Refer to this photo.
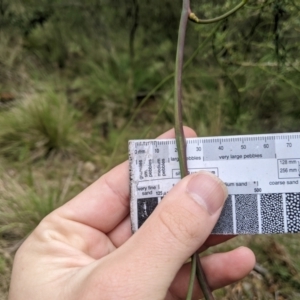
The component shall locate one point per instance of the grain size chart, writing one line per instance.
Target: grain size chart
(261, 172)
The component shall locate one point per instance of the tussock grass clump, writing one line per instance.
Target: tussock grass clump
(23, 206)
(113, 84)
(37, 127)
(106, 88)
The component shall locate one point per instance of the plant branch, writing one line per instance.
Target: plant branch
(192, 280)
(186, 15)
(180, 139)
(202, 278)
(195, 19)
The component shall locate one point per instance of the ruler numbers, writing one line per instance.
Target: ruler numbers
(239, 149)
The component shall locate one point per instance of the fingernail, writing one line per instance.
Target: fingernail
(207, 190)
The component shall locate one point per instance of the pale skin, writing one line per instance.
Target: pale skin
(85, 249)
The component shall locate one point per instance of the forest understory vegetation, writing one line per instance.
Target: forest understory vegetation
(78, 80)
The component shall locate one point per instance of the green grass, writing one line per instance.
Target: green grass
(5, 268)
(38, 126)
(24, 205)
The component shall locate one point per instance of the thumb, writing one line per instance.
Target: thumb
(178, 227)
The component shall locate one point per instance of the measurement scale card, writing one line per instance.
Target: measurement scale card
(261, 172)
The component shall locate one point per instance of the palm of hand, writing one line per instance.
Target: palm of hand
(80, 251)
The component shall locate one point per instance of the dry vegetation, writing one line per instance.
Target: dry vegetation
(75, 80)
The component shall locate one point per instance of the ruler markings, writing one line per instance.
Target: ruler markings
(267, 167)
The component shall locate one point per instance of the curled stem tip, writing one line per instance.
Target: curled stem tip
(195, 19)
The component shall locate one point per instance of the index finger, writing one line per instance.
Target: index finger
(105, 203)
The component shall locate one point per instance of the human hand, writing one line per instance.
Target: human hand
(85, 249)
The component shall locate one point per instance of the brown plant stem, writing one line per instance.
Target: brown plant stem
(186, 14)
(180, 139)
(202, 278)
(192, 279)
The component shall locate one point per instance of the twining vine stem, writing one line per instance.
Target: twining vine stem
(186, 15)
(180, 139)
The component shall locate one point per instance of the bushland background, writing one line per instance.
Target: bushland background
(80, 78)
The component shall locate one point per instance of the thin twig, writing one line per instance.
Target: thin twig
(180, 139)
(192, 280)
(186, 14)
(202, 278)
(195, 19)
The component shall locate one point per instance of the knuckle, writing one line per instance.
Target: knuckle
(180, 224)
